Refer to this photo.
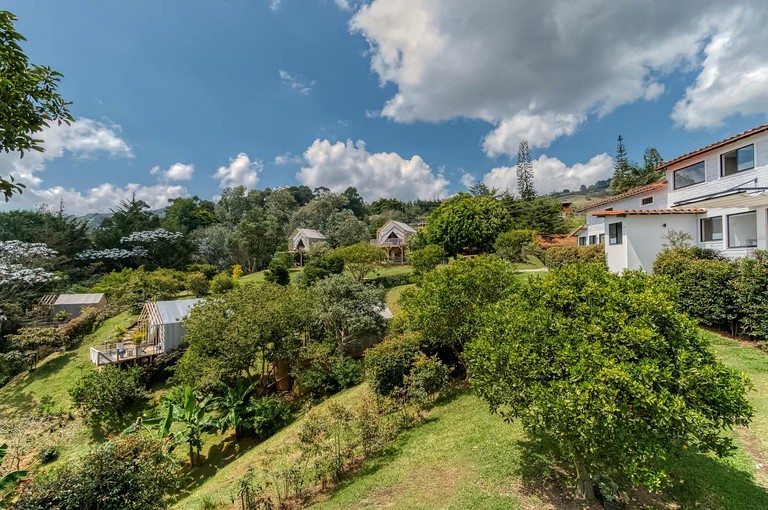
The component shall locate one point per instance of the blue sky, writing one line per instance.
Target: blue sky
(439, 92)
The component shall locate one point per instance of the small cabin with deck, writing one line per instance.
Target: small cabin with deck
(301, 240)
(393, 238)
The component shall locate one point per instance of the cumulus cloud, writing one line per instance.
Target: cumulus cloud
(176, 172)
(551, 174)
(288, 159)
(538, 70)
(384, 174)
(241, 171)
(296, 83)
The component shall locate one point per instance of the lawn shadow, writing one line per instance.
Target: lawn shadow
(217, 457)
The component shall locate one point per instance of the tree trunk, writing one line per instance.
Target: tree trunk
(584, 487)
(191, 456)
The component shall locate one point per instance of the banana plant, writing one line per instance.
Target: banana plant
(8, 481)
(234, 408)
(194, 417)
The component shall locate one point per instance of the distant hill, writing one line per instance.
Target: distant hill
(94, 219)
(585, 194)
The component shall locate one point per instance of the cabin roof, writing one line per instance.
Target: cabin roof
(79, 299)
(171, 312)
(308, 233)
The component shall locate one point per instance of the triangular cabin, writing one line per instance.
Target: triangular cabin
(302, 240)
(393, 238)
(158, 330)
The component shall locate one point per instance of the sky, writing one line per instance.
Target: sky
(399, 98)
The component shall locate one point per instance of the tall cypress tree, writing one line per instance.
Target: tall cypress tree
(622, 170)
(525, 172)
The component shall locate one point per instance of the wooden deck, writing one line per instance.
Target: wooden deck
(128, 354)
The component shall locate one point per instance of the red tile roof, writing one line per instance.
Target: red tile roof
(646, 212)
(721, 143)
(631, 193)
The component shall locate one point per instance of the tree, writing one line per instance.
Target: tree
(605, 372)
(212, 244)
(627, 176)
(344, 229)
(355, 202)
(129, 217)
(525, 172)
(104, 396)
(387, 204)
(29, 100)
(278, 272)
(319, 267)
(426, 259)
(360, 259)
(445, 307)
(187, 214)
(466, 223)
(514, 245)
(542, 214)
(621, 169)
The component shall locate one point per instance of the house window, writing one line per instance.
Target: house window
(712, 229)
(609, 208)
(646, 201)
(689, 175)
(737, 161)
(582, 241)
(742, 230)
(592, 239)
(614, 233)
(602, 238)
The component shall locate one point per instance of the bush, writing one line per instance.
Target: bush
(278, 272)
(269, 416)
(197, 283)
(325, 372)
(751, 286)
(387, 364)
(320, 267)
(392, 280)
(82, 325)
(130, 288)
(209, 270)
(707, 293)
(104, 396)
(426, 380)
(221, 283)
(514, 244)
(426, 259)
(48, 454)
(560, 256)
(132, 472)
(163, 367)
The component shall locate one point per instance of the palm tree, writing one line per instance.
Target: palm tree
(234, 408)
(8, 481)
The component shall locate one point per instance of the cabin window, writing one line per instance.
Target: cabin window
(615, 235)
(712, 229)
(742, 230)
(737, 161)
(689, 175)
(646, 201)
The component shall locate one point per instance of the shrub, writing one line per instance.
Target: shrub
(132, 472)
(82, 325)
(426, 259)
(278, 272)
(48, 454)
(324, 372)
(560, 256)
(42, 340)
(269, 415)
(514, 244)
(387, 364)
(320, 267)
(197, 283)
(162, 368)
(392, 280)
(706, 291)
(751, 286)
(426, 380)
(221, 283)
(130, 288)
(209, 270)
(104, 396)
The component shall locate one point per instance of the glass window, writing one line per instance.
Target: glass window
(646, 201)
(689, 175)
(742, 230)
(614, 233)
(582, 241)
(737, 161)
(602, 238)
(712, 229)
(592, 239)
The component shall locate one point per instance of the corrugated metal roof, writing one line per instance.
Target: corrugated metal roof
(310, 233)
(403, 226)
(172, 312)
(79, 299)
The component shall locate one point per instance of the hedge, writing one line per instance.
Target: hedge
(559, 256)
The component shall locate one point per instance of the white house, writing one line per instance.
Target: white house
(718, 194)
(393, 237)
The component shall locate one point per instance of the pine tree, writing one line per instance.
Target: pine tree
(525, 172)
(622, 170)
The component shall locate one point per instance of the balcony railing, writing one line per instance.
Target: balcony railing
(387, 242)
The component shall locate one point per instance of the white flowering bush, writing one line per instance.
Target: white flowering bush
(114, 254)
(19, 252)
(151, 236)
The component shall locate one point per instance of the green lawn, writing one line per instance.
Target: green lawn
(393, 295)
(532, 263)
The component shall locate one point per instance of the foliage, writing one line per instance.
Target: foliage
(542, 214)
(234, 408)
(82, 325)
(343, 228)
(557, 257)
(426, 380)
(347, 310)
(29, 100)
(278, 272)
(426, 259)
(8, 481)
(322, 371)
(388, 364)
(445, 308)
(525, 172)
(751, 286)
(104, 396)
(41, 340)
(187, 214)
(221, 283)
(197, 283)
(254, 326)
(131, 288)
(132, 472)
(269, 415)
(604, 371)
(208, 270)
(193, 414)
(360, 259)
(627, 176)
(514, 245)
(466, 223)
(321, 266)
(60, 232)
(677, 239)
(130, 216)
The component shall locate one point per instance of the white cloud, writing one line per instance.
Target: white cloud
(296, 83)
(274, 5)
(384, 174)
(241, 171)
(468, 180)
(288, 159)
(539, 69)
(343, 5)
(551, 174)
(176, 172)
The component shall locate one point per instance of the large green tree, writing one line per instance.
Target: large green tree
(604, 371)
(627, 175)
(360, 259)
(29, 100)
(130, 216)
(467, 223)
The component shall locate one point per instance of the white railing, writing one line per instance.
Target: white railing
(109, 356)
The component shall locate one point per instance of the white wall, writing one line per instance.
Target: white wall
(596, 225)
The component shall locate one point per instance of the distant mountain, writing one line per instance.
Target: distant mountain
(94, 219)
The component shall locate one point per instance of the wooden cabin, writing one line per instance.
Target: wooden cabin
(392, 237)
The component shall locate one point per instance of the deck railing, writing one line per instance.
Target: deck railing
(109, 356)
